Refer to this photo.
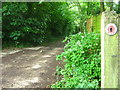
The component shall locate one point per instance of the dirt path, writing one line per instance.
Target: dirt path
(31, 67)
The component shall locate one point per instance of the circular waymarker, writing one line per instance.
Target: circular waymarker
(111, 29)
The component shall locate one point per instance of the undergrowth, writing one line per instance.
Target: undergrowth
(82, 62)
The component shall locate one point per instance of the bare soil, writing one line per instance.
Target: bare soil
(31, 68)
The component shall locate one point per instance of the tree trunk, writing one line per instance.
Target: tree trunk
(88, 4)
(102, 6)
(79, 10)
(119, 7)
(110, 4)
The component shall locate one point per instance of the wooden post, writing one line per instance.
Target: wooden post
(119, 52)
(110, 52)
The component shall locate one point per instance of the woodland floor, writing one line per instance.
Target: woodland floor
(31, 67)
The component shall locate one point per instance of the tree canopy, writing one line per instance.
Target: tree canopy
(36, 22)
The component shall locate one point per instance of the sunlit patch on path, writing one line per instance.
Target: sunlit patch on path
(30, 67)
(36, 66)
(46, 56)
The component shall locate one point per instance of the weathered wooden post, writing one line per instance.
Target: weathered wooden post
(119, 52)
(110, 50)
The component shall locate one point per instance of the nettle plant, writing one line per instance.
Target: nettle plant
(82, 62)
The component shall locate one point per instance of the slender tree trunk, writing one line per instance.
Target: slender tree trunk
(119, 7)
(79, 10)
(102, 6)
(88, 4)
(110, 4)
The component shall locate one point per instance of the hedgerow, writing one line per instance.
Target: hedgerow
(82, 62)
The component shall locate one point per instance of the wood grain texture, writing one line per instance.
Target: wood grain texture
(110, 52)
(119, 51)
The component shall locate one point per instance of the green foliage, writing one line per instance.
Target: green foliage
(97, 23)
(82, 62)
(94, 24)
(35, 23)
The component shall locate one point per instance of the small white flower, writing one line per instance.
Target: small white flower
(78, 42)
(79, 32)
(80, 45)
(90, 45)
(82, 36)
(82, 52)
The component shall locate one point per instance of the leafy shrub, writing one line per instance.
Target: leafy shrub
(19, 28)
(82, 62)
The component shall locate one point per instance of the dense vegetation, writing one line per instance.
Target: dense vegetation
(82, 62)
(31, 24)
